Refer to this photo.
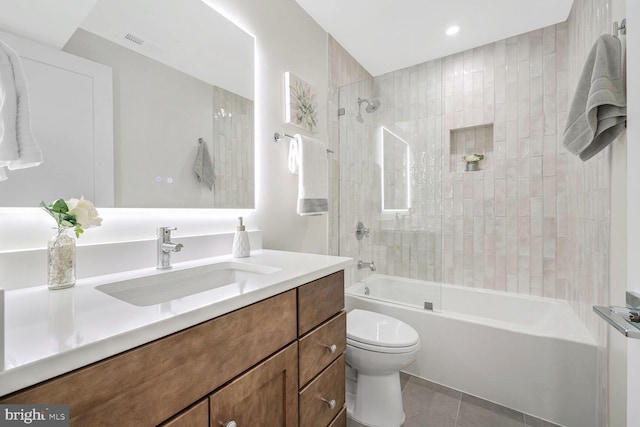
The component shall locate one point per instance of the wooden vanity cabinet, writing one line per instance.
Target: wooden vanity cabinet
(243, 366)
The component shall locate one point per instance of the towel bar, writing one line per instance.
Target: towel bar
(278, 136)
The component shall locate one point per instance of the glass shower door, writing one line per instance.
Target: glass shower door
(389, 171)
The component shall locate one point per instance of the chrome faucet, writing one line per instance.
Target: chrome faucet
(165, 247)
(362, 264)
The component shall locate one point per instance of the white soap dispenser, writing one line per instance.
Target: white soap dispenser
(241, 246)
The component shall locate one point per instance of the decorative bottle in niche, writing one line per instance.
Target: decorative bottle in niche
(241, 247)
(61, 259)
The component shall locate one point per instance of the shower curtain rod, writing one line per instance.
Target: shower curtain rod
(278, 136)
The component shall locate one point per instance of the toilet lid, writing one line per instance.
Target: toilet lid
(379, 330)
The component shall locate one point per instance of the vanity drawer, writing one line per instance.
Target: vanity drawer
(330, 386)
(149, 384)
(319, 300)
(340, 420)
(315, 353)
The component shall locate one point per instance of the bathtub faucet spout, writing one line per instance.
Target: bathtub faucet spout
(362, 264)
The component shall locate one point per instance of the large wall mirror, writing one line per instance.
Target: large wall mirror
(182, 77)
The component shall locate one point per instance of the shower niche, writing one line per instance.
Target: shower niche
(471, 140)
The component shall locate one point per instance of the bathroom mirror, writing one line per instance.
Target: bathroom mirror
(182, 76)
(395, 171)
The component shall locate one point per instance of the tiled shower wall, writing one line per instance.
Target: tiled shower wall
(586, 191)
(500, 224)
(585, 195)
(233, 150)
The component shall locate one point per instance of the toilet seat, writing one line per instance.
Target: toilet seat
(381, 349)
(380, 333)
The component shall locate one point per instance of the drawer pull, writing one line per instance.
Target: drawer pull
(330, 403)
(332, 348)
(228, 424)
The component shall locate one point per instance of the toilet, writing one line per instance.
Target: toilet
(378, 346)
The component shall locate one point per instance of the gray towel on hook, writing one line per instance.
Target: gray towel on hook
(598, 113)
(203, 166)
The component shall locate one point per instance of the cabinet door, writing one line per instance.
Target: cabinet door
(265, 396)
(196, 416)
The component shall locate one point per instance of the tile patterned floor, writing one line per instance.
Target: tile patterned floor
(427, 404)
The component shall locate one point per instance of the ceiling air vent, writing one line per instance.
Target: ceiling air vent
(134, 39)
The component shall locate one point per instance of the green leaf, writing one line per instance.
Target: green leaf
(60, 206)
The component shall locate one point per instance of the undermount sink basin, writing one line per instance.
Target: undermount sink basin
(173, 284)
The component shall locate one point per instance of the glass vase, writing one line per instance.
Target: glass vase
(61, 259)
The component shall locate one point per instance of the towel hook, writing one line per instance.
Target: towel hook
(620, 29)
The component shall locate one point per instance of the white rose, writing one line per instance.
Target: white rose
(85, 213)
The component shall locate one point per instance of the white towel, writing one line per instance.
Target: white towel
(203, 166)
(598, 112)
(18, 147)
(8, 112)
(308, 160)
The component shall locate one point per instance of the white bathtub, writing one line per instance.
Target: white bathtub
(528, 353)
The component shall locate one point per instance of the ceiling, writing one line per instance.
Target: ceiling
(386, 35)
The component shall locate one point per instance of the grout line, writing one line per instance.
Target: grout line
(458, 411)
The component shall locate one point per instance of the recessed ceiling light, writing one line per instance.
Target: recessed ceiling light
(452, 30)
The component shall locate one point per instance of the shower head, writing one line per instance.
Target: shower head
(371, 105)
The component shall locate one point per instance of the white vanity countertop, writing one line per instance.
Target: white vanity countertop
(48, 333)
